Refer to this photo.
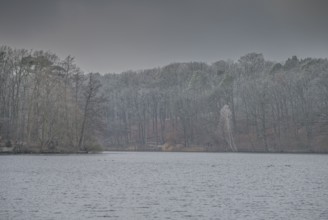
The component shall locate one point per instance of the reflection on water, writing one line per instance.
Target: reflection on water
(164, 186)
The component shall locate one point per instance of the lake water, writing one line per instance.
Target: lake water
(164, 186)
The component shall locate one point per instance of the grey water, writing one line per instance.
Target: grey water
(158, 185)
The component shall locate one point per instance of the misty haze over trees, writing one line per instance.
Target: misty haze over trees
(47, 104)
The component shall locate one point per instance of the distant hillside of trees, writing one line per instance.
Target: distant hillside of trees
(48, 104)
(275, 107)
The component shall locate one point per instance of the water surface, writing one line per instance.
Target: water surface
(164, 186)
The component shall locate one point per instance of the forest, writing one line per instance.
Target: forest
(48, 104)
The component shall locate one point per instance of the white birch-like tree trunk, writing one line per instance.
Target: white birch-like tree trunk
(226, 125)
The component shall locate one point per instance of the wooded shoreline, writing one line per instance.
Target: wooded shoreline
(48, 104)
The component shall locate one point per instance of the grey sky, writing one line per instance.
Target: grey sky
(114, 36)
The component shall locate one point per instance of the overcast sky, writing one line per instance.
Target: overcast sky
(118, 35)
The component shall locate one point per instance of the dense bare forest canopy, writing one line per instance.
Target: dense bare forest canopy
(47, 104)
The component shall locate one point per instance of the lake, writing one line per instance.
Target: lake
(145, 185)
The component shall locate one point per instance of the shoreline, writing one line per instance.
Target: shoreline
(150, 151)
(250, 152)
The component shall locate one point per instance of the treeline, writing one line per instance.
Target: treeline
(275, 107)
(46, 104)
